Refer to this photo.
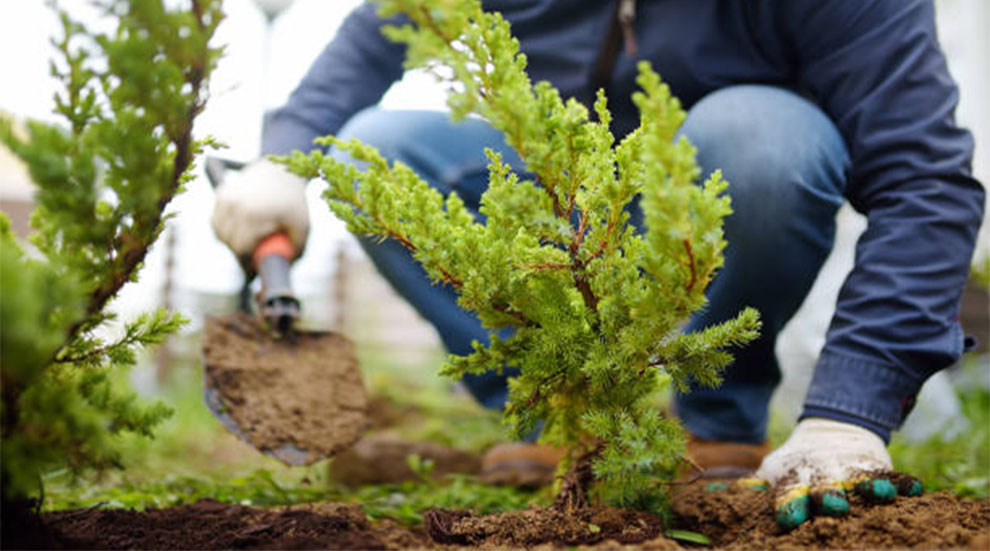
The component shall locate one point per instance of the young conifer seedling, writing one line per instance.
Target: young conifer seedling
(104, 179)
(594, 304)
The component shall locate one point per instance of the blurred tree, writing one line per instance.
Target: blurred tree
(129, 98)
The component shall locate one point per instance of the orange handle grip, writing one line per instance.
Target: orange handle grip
(276, 243)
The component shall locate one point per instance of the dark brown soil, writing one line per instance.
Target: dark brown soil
(735, 518)
(740, 518)
(214, 525)
(300, 399)
(540, 527)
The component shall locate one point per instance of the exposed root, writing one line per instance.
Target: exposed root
(573, 494)
(439, 525)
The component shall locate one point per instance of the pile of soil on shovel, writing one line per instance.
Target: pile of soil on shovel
(734, 518)
(300, 397)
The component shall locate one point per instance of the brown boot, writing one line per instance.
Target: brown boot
(726, 459)
(520, 464)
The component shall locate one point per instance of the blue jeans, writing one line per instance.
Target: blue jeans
(786, 165)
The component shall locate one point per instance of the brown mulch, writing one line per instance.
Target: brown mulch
(735, 518)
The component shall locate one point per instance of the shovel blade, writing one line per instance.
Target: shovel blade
(298, 399)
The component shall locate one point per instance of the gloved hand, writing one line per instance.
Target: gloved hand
(264, 198)
(821, 461)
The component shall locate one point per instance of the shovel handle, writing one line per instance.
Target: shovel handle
(272, 258)
(276, 243)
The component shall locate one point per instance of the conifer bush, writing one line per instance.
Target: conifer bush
(595, 305)
(128, 99)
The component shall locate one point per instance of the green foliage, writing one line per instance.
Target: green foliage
(980, 271)
(408, 501)
(595, 306)
(405, 502)
(960, 463)
(129, 99)
(688, 536)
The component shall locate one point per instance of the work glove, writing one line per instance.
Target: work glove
(264, 198)
(820, 462)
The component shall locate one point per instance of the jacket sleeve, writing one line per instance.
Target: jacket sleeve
(877, 69)
(352, 72)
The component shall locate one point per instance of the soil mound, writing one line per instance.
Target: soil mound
(539, 527)
(740, 518)
(735, 518)
(213, 525)
(300, 399)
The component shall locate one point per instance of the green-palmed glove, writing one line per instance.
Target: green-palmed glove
(821, 462)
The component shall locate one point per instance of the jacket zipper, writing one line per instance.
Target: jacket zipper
(627, 19)
(620, 32)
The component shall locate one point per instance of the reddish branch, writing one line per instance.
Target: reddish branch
(579, 234)
(578, 265)
(551, 189)
(506, 309)
(581, 282)
(605, 241)
(131, 252)
(432, 24)
(573, 173)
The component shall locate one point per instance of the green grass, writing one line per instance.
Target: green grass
(960, 464)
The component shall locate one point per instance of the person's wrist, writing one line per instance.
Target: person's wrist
(822, 425)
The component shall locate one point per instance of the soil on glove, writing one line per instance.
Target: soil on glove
(735, 518)
(303, 393)
(740, 518)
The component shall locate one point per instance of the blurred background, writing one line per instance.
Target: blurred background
(269, 45)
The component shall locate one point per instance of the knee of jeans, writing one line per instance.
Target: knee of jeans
(375, 127)
(763, 136)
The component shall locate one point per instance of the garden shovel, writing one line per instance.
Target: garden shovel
(295, 395)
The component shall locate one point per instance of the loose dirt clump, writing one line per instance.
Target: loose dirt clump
(540, 527)
(740, 518)
(300, 398)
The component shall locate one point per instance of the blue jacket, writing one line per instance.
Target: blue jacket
(875, 67)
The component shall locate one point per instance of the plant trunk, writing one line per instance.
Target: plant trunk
(574, 492)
